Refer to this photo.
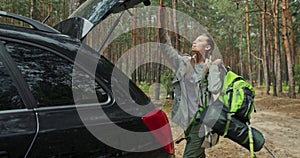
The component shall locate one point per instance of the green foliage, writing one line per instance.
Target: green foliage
(297, 73)
(284, 87)
(261, 87)
(38, 10)
(144, 86)
(166, 80)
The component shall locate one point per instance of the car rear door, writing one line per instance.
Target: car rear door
(17, 119)
(91, 13)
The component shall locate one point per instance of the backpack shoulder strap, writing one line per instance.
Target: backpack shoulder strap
(188, 130)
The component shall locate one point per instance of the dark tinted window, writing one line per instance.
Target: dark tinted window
(49, 76)
(9, 97)
(85, 89)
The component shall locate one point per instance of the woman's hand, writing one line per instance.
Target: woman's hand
(218, 62)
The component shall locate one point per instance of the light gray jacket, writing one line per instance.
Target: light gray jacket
(189, 87)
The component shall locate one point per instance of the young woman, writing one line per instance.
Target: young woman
(197, 82)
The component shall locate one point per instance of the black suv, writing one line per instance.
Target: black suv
(40, 116)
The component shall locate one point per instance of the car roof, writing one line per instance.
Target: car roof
(55, 41)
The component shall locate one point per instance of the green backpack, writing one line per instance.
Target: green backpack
(238, 96)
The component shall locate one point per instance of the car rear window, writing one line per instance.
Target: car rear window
(49, 75)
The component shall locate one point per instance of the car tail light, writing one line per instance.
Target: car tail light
(157, 122)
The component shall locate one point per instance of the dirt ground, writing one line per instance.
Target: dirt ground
(278, 118)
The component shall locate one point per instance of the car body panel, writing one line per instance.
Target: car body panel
(17, 130)
(61, 131)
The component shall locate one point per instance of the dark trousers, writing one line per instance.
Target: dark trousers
(193, 147)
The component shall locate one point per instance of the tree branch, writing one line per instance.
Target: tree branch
(260, 8)
(252, 53)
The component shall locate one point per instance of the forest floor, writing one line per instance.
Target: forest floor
(278, 118)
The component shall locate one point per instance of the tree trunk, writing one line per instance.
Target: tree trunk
(71, 6)
(149, 65)
(241, 52)
(50, 21)
(119, 48)
(288, 51)
(260, 71)
(127, 62)
(1, 4)
(248, 42)
(265, 54)
(44, 11)
(177, 37)
(58, 15)
(133, 75)
(277, 48)
(141, 57)
(272, 53)
(227, 52)
(162, 23)
(292, 34)
(109, 47)
(11, 20)
(31, 8)
(183, 40)
(64, 9)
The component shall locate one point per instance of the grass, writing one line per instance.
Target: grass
(284, 88)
